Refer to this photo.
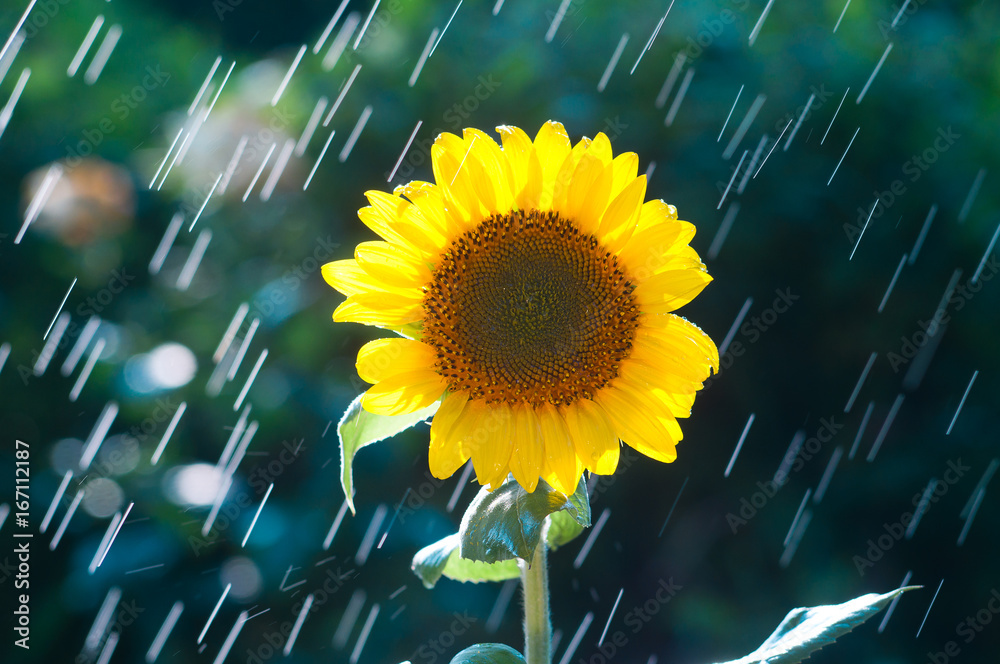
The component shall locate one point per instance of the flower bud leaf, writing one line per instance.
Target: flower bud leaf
(488, 653)
(442, 559)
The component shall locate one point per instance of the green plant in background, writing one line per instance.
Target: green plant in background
(533, 290)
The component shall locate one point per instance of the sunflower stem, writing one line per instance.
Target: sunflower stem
(537, 627)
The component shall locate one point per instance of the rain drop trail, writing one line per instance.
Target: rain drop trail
(65, 520)
(739, 445)
(350, 617)
(7, 60)
(671, 512)
(322, 154)
(231, 638)
(835, 113)
(760, 22)
(235, 367)
(649, 170)
(39, 200)
(393, 519)
(103, 619)
(241, 449)
(733, 108)
(841, 18)
(256, 516)
(238, 430)
(922, 235)
(4, 353)
(462, 163)
(59, 310)
(230, 334)
(600, 641)
(288, 75)
(831, 467)
(463, 480)
(574, 643)
(118, 528)
(861, 430)
(929, 608)
(726, 192)
(263, 165)
(164, 633)
(422, 60)
(329, 27)
(962, 402)
(676, 106)
(145, 569)
(250, 379)
(921, 508)
(837, 168)
(17, 29)
(55, 501)
(971, 197)
(97, 434)
(406, 149)
(169, 432)
(744, 126)
(861, 381)
(220, 497)
(364, 28)
(606, 76)
(445, 29)
(776, 141)
(989, 249)
(166, 242)
(204, 630)
(395, 614)
(105, 542)
(496, 7)
(781, 475)
(972, 515)
(194, 259)
(301, 617)
(793, 545)
(343, 93)
(49, 349)
(307, 133)
(753, 162)
(874, 74)
(103, 54)
(556, 21)
(79, 347)
(885, 428)
(580, 557)
(165, 157)
(500, 606)
(899, 14)
(227, 175)
(204, 86)
(201, 210)
(874, 205)
(340, 43)
(4, 513)
(328, 540)
(369, 539)
(81, 380)
(893, 603)
(218, 93)
(798, 123)
(983, 481)
(649, 43)
(109, 648)
(668, 83)
(892, 284)
(397, 592)
(88, 41)
(363, 637)
(939, 312)
(798, 516)
(8, 109)
(724, 346)
(355, 133)
(279, 167)
(180, 151)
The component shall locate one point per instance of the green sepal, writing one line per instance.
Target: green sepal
(488, 653)
(358, 428)
(565, 526)
(442, 559)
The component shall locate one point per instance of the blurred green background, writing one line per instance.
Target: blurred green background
(921, 138)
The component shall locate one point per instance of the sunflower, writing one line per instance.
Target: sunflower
(533, 289)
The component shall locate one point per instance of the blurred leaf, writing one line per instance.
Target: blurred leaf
(488, 653)
(565, 526)
(442, 559)
(804, 631)
(358, 428)
(507, 523)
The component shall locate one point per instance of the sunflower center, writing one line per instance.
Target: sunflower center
(527, 309)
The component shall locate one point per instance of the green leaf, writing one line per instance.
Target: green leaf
(507, 523)
(565, 526)
(804, 631)
(488, 653)
(358, 428)
(442, 559)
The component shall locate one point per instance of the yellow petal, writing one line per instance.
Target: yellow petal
(656, 212)
(588, 193)
(404, 393)
(650, 251)
(683, 332)
(445, 454)
(382, 358)
(389, 265)
(560, 454)
(625, 167)
(551, 147)
(348, 277)
(380, 309)
(526, 457)
(495, 167)
(600, 147)
(486, 438)
(517, 150)
(564, 177)
(637, 428)
(592, 434)
(454, 181)
(619, 220)
(670, 290)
